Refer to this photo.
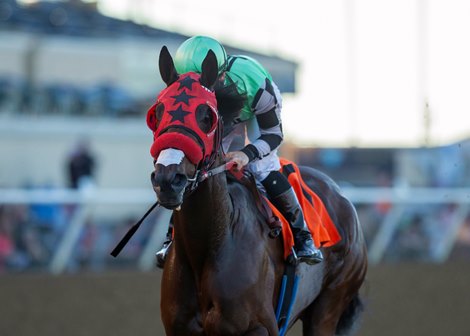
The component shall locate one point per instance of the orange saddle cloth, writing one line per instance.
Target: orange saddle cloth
(318, 220)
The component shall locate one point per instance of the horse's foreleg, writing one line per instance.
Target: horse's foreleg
(179, 304)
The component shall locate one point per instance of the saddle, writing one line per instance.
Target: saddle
(318, 220)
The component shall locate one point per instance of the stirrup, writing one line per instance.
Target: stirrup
(311, 259)
(162, 254)
(306, 250)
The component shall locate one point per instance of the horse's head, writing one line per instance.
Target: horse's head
(185, 124)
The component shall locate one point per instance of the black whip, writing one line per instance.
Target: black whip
(131, 232)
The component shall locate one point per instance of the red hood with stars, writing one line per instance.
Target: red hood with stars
(173, 119)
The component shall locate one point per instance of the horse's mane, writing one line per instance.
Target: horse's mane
(230, 103)
(244, 192)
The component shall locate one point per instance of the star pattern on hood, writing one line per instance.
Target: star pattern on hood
(186, 82)
(178, 115)
(183, 98)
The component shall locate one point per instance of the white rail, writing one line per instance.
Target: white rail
(73, 196)
(408, 195)
(399, 198)
(142, 196)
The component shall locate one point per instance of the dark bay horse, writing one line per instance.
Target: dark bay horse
(224, 272)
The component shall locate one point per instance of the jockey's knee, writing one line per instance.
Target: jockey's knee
(275, 184)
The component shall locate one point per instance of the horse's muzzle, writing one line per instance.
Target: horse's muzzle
(169, 187)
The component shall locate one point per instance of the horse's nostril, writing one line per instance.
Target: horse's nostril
(179, 181)
(170, 182)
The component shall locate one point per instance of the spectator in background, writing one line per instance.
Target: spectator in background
(20, 246)
(80, 165)
(6, 241)
(461, 250)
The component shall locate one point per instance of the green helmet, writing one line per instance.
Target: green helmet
(192, 52)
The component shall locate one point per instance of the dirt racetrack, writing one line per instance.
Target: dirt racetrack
(402, 299)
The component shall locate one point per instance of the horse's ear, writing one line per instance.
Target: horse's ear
(167, 67)
(209, 72)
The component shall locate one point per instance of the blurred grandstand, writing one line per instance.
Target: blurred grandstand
(64, 57)
(69, 72)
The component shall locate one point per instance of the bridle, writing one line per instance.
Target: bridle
(204, 168)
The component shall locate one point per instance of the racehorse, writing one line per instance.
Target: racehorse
(223, 272)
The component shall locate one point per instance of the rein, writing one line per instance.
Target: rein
(198, 178)
(202, 175)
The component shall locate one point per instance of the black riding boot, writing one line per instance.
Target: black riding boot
(161, 255)
(304, 247)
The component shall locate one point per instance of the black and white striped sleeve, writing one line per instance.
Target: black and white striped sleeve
(267, 111)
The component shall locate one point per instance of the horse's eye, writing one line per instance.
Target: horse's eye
(154, 115)
(159, 114)
(206, 118)
(159, 111)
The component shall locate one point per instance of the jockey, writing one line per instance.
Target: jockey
(260, 122)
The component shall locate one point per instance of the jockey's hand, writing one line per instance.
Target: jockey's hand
(240, 158)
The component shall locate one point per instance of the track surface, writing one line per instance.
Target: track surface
(402, 299)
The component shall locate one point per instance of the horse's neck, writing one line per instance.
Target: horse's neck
(204, 220)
